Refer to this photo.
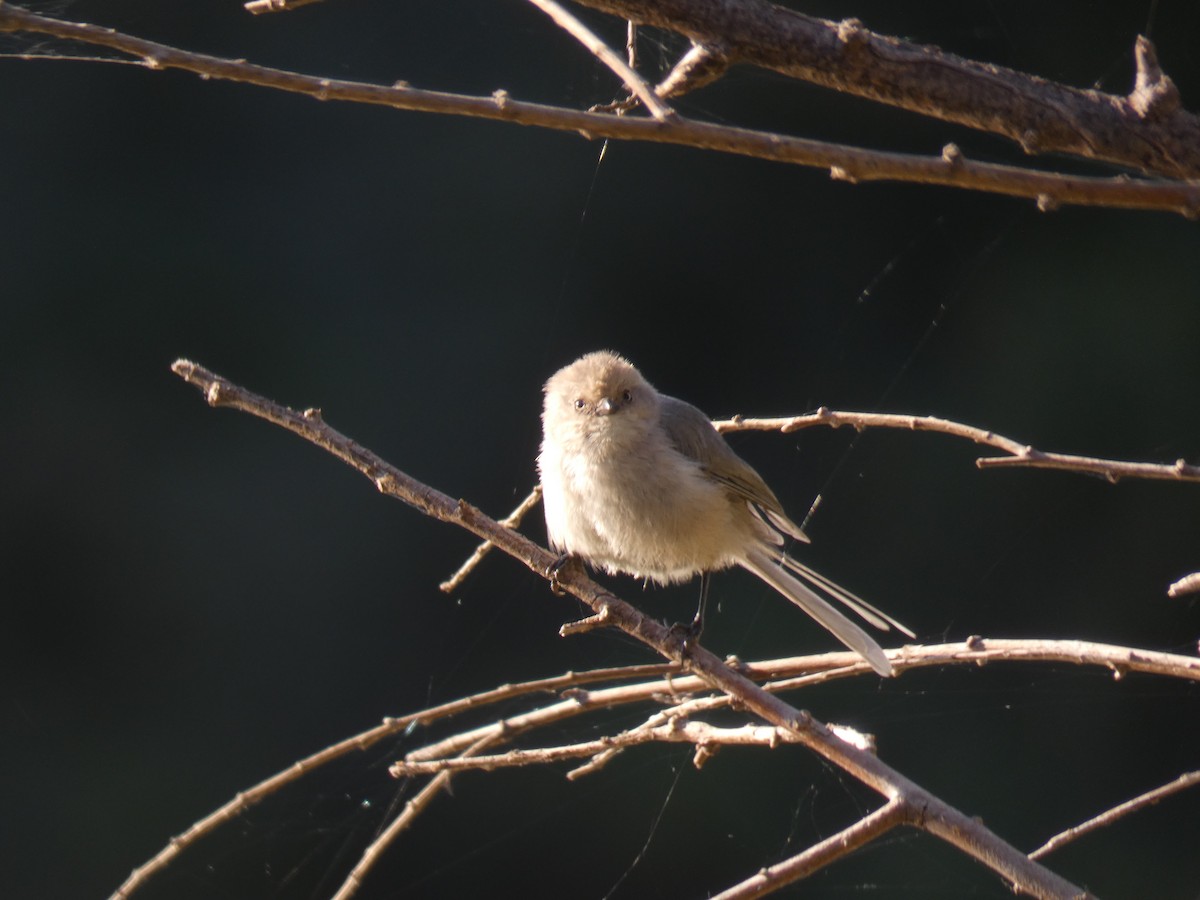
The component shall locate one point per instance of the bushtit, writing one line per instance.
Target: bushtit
(638, 482)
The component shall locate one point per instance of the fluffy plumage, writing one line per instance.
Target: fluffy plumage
(636, 482)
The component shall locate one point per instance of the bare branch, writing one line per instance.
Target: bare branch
(246, 799)
(513, 520)
(1040, 115)
(1049, 189)
(636, 84)
(258, 7)
(397, 826)
(937, 817)
(866, 829)
(1149, 798)
(1020, 455)
(1188, 584)
(675, 730)
(794, 673)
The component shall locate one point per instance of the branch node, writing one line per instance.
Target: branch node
(589, 623)
(596, 763)
(701, 65)
(855, 738)
(852, 34)
(975, 643)
(500, 98)
(400, 85)
(841, 173)
(1154, 94)
(1047, 203)
(313, 414)
(952, 155)
(735, 662)
(578, 695)
(704, 752)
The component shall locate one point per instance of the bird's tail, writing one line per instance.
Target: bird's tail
(762, 564)
(872, 614)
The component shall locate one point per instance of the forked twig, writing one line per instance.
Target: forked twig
(709, 673)
(248, 798)
(951, 168)
(936, 817)
(660, 728)
(636, 84)
(512, 520)
(1019, 455)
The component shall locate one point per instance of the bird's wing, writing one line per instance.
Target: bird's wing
(692, 433)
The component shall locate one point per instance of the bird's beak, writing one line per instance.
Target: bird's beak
(605, 406)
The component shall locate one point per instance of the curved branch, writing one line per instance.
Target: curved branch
(398, 825)
(1146, 130)
(936, 816)
(390, 726)
(1019, 455)
(951, 169)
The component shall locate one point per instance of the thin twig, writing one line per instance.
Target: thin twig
(512, 520)
(258, 7)
(1149, 798)
(1049, 189)
(937, 817)
(1020, 455)
(798, 672)
(674, 730)
(248, 798)
(402, 822)
(623, 70)
(834, 847)
(1188, 584)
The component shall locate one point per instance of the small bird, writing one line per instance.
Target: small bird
(636, 482)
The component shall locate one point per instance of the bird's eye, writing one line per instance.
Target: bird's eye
(579, 405)
(627, 396)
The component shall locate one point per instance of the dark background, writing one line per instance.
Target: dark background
(193, 599)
